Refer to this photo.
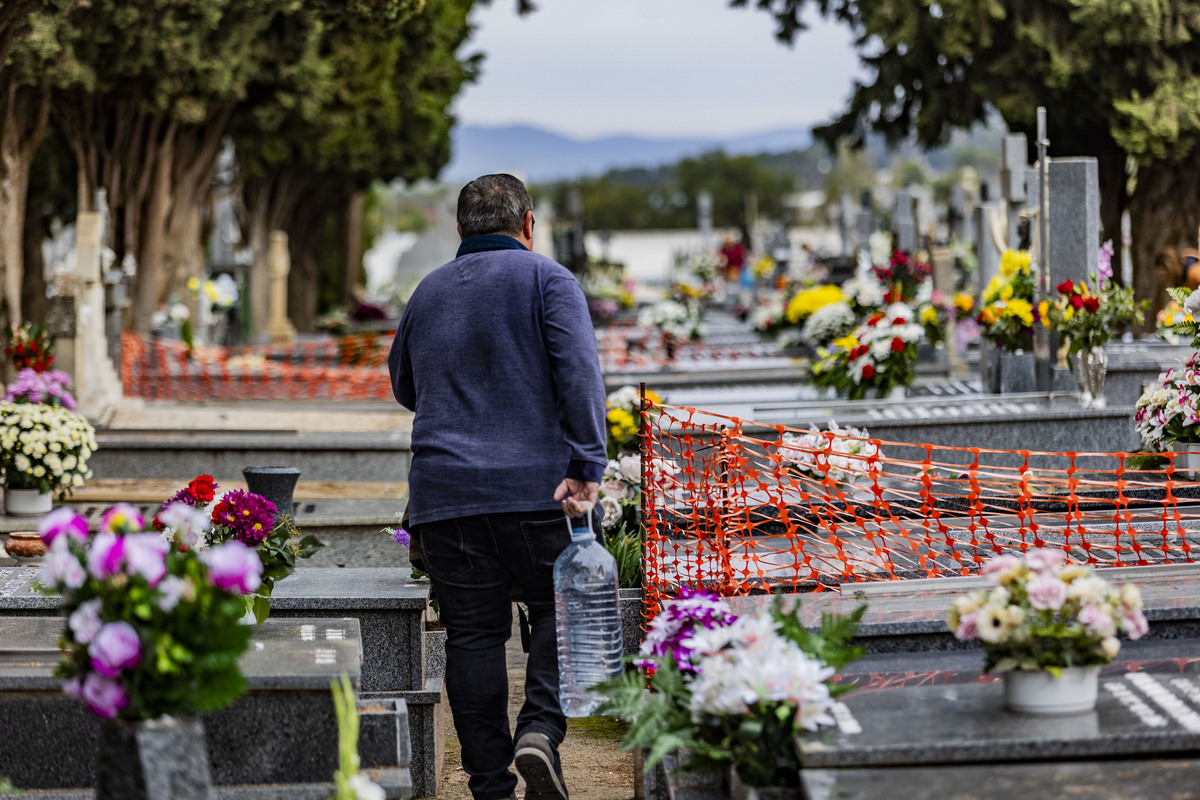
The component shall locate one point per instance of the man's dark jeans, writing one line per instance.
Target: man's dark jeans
(473, 563)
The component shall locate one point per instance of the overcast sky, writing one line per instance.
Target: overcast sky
(591, 68)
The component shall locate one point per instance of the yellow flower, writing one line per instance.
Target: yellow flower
(1168, 318)
(193, 284)
(987, 315)
(847, 342)
(964, 302)
(1069, 313)
(1006, 292)
(1014, 261)
(1021, 309)
(993, 288)
(1044, 313)
(809, 300)
(653, 398)
(929, 315)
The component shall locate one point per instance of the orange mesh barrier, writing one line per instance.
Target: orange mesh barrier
(629, 348)
(348, 368)
(741, 507)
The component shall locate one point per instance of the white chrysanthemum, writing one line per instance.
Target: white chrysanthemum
(827, 323)
(612, 511)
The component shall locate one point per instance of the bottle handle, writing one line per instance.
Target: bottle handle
(587, 516)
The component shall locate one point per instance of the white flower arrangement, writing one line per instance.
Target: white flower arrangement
(846, 457)
(1169, 410)
(864, 291)
(672, 317)
(769, 314)
(1046, 614)
(44, 447)
(828, 323)
(705, 266)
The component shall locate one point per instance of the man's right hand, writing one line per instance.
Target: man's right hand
(577, 496)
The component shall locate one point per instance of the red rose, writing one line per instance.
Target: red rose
(202, 489)
(899, 321)
(1076, 302)
(887, 297)
(1092, 304)
(897, 345)
(1066, 287)
(868, 372)
(874, 320)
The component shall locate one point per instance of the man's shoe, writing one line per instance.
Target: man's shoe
(538, 764)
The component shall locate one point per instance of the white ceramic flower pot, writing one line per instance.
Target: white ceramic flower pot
(27, 502)
(1040, 692)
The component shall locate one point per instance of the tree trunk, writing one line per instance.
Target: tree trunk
(305, 235)
(34, 304)
(1164, 212)
(352, 286)
(26, 111)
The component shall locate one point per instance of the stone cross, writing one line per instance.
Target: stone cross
(942, 260)
(865, 221)
(279, 328)
(1014, 152)
(904, 222)
(84, 350)
(1074, 218)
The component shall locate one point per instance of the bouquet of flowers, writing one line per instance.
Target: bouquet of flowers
(30, 347)
(1086, 319)
(881, 354)
(770, 314)
(864, 293)
(44, 447)
(151, 629)
(845, 455)
(620, 495)
(680, 320)
(606, 294)
(623, 417)
(1169, 410)
(49, 388)
(903, 275)
(195, 519)
(1045, 614)
(1007, 315)
(705, 266)
(733, 691)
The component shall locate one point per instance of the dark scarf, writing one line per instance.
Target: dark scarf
(486, 242)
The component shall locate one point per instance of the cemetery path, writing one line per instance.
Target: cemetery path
(593, 764)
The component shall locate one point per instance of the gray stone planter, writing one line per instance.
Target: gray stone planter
(631, 620)
(435, 654)
(157, 759)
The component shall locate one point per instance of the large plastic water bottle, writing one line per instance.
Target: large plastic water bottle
(588, 615)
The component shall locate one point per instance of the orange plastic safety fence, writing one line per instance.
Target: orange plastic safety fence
(737, 506)
(349, 368)
(628, 348)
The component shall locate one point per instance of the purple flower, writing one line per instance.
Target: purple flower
(103, 696)
(187, 521)
(173, 589)
(115, 647)
(122, 518)
(85, 621)
(63, 521)
(968, 628)
(1104, 270)
(61, 568)
(1047, 593)
(250, 517)
(233, 566)
(106, 555)
(146, 555)
(401, 536)
(672, 629)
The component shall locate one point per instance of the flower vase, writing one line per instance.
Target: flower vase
(669, 345)
(1041, 692)
(276, 484)
(26, 502)
(154, 759)
(1090, 366)
(743, 791)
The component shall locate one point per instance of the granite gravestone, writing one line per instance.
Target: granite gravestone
(904, 222)
(1136, 714)
(1095, 780)
(1014, 149)
(1074, 217)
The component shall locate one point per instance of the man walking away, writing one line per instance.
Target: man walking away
(496, 355)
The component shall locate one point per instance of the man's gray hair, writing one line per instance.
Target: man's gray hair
(493, 204)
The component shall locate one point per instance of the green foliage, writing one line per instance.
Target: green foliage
(625, 545)
(830, 642)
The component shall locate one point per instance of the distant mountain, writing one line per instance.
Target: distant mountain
(540, 155)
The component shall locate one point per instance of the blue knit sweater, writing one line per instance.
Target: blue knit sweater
(496, 354)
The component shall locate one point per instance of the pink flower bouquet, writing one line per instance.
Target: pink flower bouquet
(152, 628)
(1046, 614)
